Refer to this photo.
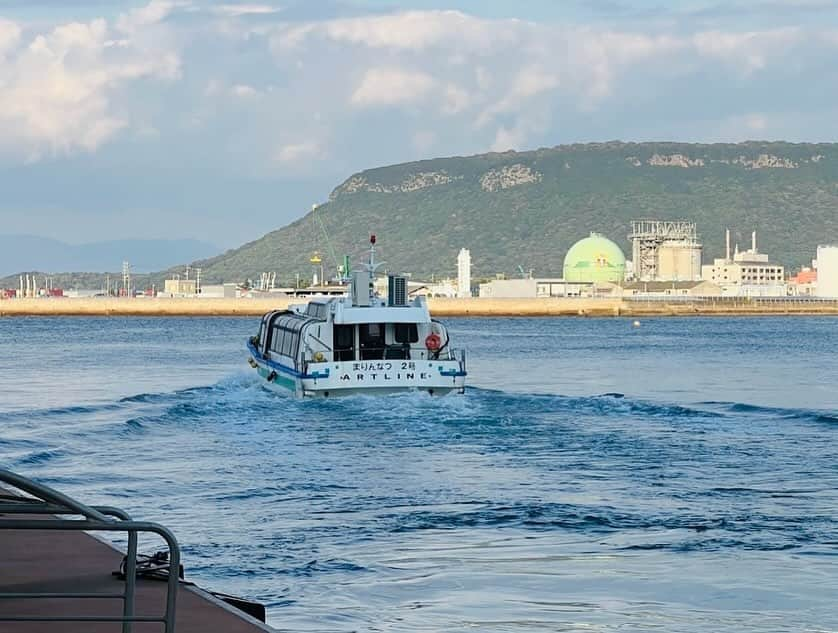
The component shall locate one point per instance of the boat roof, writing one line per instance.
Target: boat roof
(343, 312)
(380, 314)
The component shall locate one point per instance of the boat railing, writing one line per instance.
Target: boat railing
(44, 500)
(460, 356)
(389, 352)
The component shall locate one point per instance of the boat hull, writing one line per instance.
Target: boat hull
(379, 377)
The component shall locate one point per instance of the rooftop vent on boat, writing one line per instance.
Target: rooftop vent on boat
(396, 290)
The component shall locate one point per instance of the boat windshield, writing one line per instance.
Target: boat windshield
(374, 341)
(371, 341)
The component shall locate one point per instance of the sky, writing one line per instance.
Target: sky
(221, 121)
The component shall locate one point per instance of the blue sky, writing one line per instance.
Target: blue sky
(223, 120)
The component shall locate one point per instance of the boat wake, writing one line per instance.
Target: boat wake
(242, 399)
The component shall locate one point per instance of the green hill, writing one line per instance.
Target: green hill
(527, 208)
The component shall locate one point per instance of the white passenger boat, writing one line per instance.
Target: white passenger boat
(358, 343)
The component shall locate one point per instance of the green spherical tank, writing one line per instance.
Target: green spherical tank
(595, 258)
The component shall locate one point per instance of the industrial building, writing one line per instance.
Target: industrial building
(181, 287)
(827, 271)
(594, 259)
(747, 273)
(218, 291)
(533, 287)
(667, 289)
(664, 250)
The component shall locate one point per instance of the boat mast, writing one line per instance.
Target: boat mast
(372, 254)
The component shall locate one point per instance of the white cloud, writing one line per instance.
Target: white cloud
(410, 30)
(238, 10)
(217, 87)
(749, 51)
(391, 86)
(532, 81)
(153, 13)
(244, 91)
(527, 83)
(293, 152)
(508, 81)
(9, 36)
(518, 135)
(449, 81)
(58, 85)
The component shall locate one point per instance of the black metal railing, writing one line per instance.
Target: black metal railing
(44, 500)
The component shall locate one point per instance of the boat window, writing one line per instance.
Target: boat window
(287, 342)
(318, 310)
(344, 342)
(371, 340)
(271, 329)
(276, 342)
(286, 334)
(405, 333)
(295, 345)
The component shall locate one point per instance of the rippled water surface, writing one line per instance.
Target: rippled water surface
(679, 476)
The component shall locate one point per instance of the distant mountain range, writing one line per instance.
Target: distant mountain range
(525, 209)
(31, 253)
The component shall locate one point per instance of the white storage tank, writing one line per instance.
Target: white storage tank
(679, 261)
(828, 271)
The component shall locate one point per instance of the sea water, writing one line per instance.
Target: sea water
(677, 476)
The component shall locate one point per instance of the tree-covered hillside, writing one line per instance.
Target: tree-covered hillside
(527, 208)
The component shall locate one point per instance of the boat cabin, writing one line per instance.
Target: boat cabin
(328, 330)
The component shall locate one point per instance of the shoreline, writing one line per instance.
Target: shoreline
(474, 307)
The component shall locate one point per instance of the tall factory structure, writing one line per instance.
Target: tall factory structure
(828, 271)
(464, 273)
(665, 250)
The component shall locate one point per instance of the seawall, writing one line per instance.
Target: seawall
(539, 307)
